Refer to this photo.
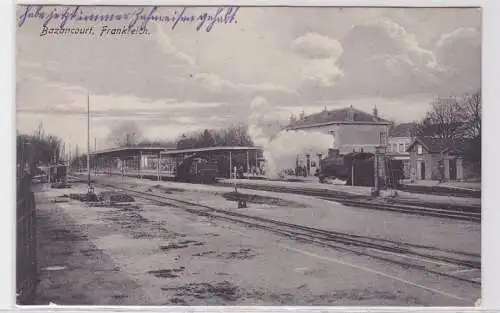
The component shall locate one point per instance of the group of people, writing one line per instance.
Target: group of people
(239, 171)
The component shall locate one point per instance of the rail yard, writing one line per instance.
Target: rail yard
(147, 242)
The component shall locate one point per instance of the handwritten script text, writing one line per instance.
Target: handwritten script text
(133, 18)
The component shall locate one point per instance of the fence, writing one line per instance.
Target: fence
(26, 261)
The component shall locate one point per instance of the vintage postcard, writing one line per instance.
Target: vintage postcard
(270, 156)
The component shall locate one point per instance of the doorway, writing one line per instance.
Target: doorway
(453, 169)
(422, 170)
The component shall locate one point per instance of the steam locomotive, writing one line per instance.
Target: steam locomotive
(358, 168)
(196, 169)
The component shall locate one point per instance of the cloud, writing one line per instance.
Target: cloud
(215, 84)
(321, 72)
(296, 58)
(319, 55)
(33, 91)
(152, 68)
(313, 45)
(169, 49)
(384, 59)
(459, 55)
(381, 59)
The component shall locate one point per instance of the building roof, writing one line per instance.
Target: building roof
(127, 149)
(403, 130)
(431, 144)
(218, 148)
(436, 145)
(340, 116)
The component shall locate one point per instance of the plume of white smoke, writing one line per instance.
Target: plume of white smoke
(259, 107)
(282, 150)
(287, 146)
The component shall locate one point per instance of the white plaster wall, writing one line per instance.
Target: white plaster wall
(346, 137)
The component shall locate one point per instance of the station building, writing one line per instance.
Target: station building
(163, 161)
(431, 159)
(127, 158)
(352, 130)
(400, 138)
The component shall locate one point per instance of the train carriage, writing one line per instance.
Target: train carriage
(58, 172)
(206, 164)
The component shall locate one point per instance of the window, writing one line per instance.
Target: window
(419, 149)
(401, 148)
(394, 147)
(332, 133)
(383, 138)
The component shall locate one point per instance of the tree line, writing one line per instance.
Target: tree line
(38, 148)
(455, 122)
(129, 135)
(231, 136)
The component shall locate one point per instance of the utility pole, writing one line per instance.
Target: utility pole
(230, 165)
(95, 156)
(158, 166)
(70, 161)
(88, 143)
(77, 156)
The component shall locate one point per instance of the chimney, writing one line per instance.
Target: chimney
(375, 111)
(333, 152)
(350, 114)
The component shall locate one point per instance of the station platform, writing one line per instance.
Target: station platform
(358, 191)
(425, 194)
(460, 189)
(451, 185)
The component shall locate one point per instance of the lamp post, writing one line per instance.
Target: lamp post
(378, 162)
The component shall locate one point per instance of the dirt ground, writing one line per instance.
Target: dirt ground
(305, 210)
(145, 254)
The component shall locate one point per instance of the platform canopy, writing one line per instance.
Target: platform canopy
(210, 149)
(129, 151)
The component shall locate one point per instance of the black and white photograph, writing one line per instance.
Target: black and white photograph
(248, 156)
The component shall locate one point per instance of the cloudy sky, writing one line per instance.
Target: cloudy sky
(177, 80)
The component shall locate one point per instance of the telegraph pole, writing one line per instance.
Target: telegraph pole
(70, 161)
(88, 142)
(95, 156)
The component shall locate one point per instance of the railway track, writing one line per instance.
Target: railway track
(443, 262)
(448, 211)
(436, 210)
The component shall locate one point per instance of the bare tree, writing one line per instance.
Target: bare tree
(470, 114)
(125, 134)
(442, 121)
(231, 136)
(55, 145)
(450, 119)
(33, 150)
(457, 123)
(156, 143)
